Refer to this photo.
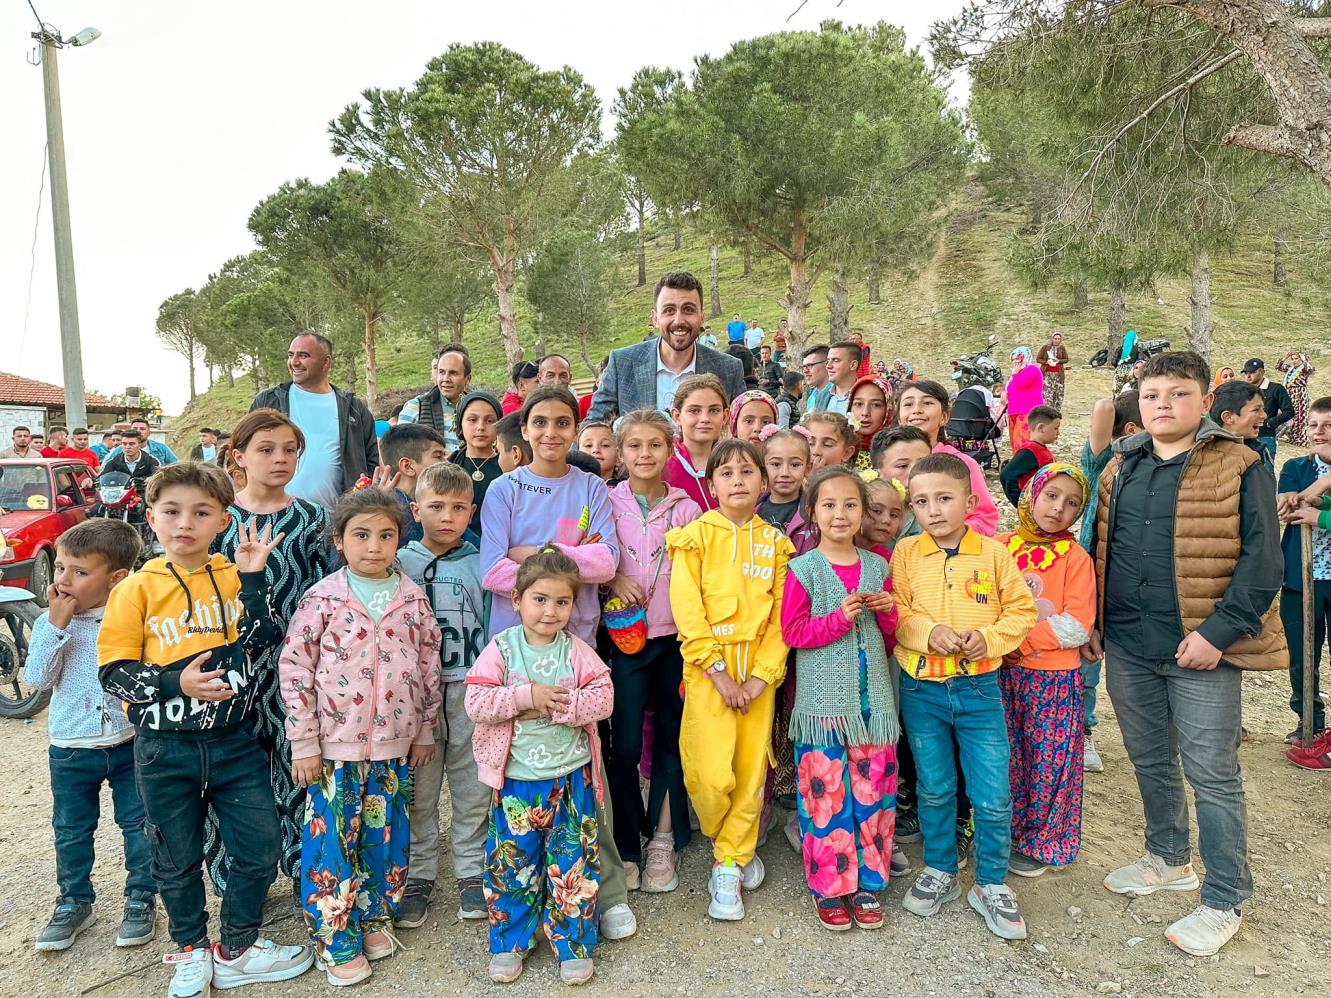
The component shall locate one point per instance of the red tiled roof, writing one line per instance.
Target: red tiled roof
(25, 391)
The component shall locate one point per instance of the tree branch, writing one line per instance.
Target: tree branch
(1313, 27)
(1185, 86)
(1274, 139)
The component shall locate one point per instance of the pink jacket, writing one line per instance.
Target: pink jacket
(642, 547)
(985, 518)
(353, 689)
(494, 704)
(1025, 390)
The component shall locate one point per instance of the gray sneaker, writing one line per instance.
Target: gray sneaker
(998, 907)
(67, 921)
(471, 906)
(139, 923)
(414, 907)
(1024, 866)
(931, 890)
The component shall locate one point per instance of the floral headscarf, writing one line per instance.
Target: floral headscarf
(1295, 364)
(743, 399)
(866, 439)
(1024, 355)
(902, 368)
(1032, 547)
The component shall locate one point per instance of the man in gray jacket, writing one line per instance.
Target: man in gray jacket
(645, 375)
(340, 444)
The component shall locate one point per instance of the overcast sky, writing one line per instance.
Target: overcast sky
(182, 116)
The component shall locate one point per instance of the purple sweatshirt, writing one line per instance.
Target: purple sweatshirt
(523, 509)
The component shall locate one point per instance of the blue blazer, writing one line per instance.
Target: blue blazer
(629, 379)
(1295, 476)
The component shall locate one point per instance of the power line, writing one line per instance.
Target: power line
(40, 23)
(32, 269)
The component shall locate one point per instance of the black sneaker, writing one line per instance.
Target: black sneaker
(67, 921)
(139, 923)
(414, 906)
(908, 826)
(471, 906)
(965, 841)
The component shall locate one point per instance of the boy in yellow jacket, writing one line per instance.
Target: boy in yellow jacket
(729, 568)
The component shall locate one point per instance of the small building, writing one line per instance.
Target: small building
(38, 405)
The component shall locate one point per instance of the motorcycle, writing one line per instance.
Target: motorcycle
(118, 499)
(1146, 349)
(18, 613)
(978, 369)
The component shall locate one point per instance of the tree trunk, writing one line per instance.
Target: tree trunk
(1081, 300)
(716, 281)
(371, 363)
(1037, 215)
(230, 378)
(1278, 254)
(1118, 322)
(1201, 326)
(457, 323)
(642, 244)
(212, 378)
(434, 336)
(540, 336)
(798, 293)
(189, 360)
(838, 307)
(352, 380)
(748, 259)
(508, 320)
(679, 235)
(875, 291)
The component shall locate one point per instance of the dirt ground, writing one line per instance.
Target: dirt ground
(1083, 940)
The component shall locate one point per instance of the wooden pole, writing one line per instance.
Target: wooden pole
(1309, 665)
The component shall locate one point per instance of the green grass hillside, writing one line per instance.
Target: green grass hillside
(945, 308)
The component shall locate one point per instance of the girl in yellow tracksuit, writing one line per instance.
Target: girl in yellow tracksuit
(728, 571)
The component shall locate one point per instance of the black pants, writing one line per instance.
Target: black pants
(1291, 613)
(179, 776)
(649, 679)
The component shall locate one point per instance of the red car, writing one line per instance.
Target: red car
(40, 498)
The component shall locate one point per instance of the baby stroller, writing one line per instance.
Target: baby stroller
(973, 430)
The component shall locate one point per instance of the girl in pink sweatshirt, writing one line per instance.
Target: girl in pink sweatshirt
(536, 693)
(925, 405)
(359, 675)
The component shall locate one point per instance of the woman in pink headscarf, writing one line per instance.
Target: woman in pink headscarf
(1024, 391)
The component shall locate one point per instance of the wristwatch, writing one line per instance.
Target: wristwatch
(716, 667)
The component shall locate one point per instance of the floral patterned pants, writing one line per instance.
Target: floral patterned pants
(1044, 723)
(847, 814)
(543, 865)
(353, 853)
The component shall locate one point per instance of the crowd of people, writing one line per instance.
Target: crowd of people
(755, 604)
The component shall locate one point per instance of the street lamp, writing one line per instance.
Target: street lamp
(76, 410)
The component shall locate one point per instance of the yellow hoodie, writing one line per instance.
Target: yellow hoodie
(725, 590)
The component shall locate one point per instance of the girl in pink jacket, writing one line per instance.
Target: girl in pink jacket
(536, 693)
(359, 674)
(645, 663)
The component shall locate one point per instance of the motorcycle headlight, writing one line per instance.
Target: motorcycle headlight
(112, 495)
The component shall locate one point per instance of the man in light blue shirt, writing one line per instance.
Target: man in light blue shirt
(753, 336)
(817, 389)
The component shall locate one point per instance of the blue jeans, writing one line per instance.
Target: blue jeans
(1090, 684)
(77, 775)
(1268, 446)
(1166, 713)
(972, 708)
(179, 775)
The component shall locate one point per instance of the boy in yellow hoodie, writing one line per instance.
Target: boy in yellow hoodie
(175, 645)
(728, 571)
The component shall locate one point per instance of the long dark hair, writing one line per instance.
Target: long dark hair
(933, 390)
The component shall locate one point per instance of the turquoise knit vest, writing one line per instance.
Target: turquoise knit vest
(827, 679)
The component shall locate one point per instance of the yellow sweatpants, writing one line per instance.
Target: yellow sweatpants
(725, 755)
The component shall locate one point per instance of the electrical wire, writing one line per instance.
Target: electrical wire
(40, 23)
(32, 269)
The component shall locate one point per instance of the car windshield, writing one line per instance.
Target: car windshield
(24, 486)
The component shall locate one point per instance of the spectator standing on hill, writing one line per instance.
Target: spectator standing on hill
(437, 408)
(736, 329)
(340, 444)
(754, 335)
(1053, 360)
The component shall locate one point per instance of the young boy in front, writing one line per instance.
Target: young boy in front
(176, 645)
(1044, 422)
(448, 569)
(962, 606)
(1188, 565)
(91, 741)
(408, 449)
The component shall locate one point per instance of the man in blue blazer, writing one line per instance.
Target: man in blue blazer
(645, 375)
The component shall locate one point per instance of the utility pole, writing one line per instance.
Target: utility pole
(76, 410)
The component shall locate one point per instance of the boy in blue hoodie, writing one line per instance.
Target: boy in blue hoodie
(447, 568)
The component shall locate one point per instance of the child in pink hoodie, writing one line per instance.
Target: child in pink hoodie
(646, 664)
(536, 693)
(359, 675)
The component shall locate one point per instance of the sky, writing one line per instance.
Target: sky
(183, 116)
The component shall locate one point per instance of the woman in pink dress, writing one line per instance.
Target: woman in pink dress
(1024, 391)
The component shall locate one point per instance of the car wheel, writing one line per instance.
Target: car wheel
(40, 580)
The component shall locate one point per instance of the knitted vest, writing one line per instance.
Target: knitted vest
(1206, 546)
(827, 679)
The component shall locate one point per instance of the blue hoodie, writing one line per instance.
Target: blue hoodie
(452, 584)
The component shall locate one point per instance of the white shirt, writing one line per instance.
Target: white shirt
(667, 380)
(318, 477)
(753, 337)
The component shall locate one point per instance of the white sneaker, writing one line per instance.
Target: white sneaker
(997, 905)
(632, 876)
(193, 976)
(753, 873)
(262, 963)
(618, 922)
(724, 886)
(1091, 761)
(1150, 874)
(1205, 930)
